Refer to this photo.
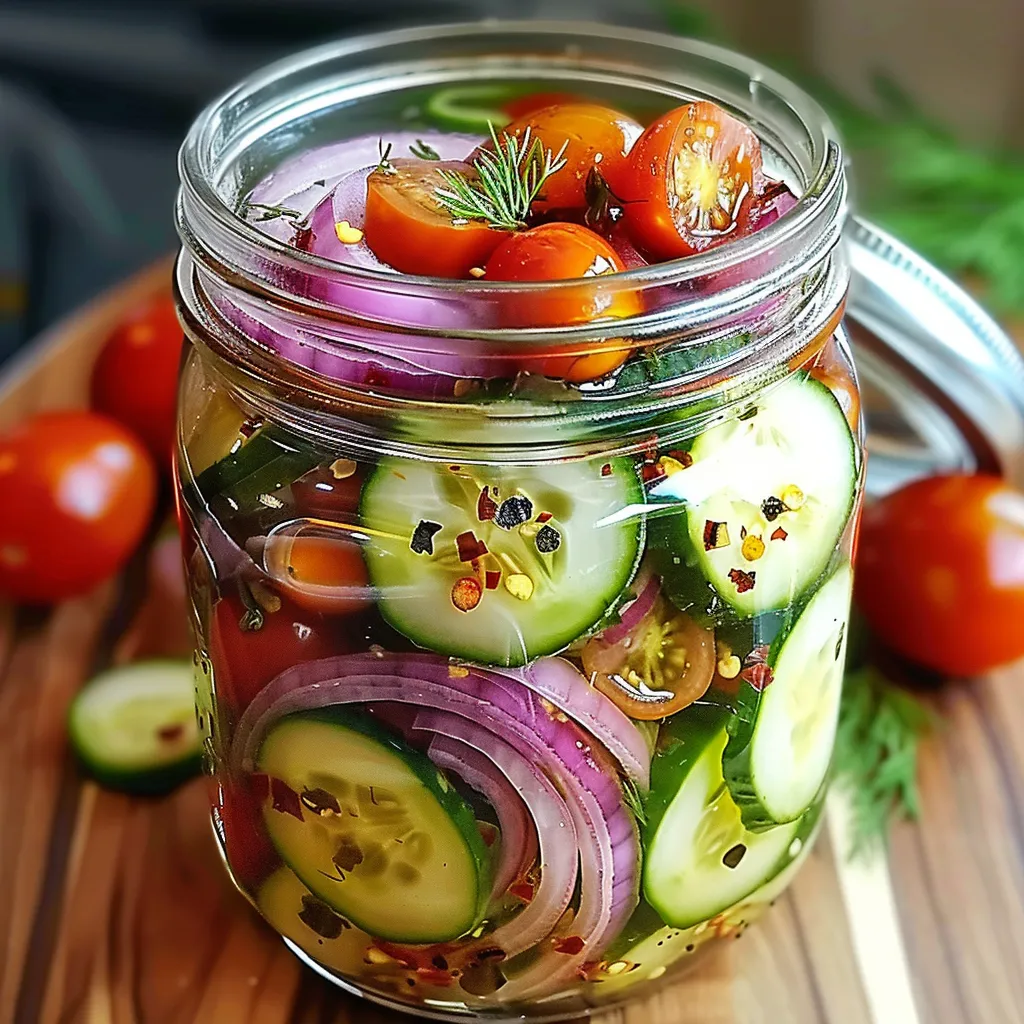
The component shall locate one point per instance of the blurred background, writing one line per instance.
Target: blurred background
(96, 94)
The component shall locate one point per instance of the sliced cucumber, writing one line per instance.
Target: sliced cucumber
(554, 545)
(700, 860)
(134, 728)
(470, 108)
(781, 739)
(767, 497)
(372, 828)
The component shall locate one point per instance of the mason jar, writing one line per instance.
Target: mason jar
(519, 630)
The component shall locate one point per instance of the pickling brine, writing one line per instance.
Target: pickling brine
(518, 474)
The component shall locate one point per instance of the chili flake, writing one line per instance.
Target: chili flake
(492, 577)
(759, 676)
(716, 535)
(753, 547)
(486, 506)
(772, 508)
(651, 471)
(779, 534)
(522, 890)
(606, 469)
(570, 944)
(548, 539)
(544, 517)
(422, 542)
(513, 512)
(519, 585)
(286, 800)
(744, 581)
(466, 593)
(469, 547)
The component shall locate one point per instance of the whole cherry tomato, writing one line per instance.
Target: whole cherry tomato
(135, 378)
(76, 495)
(407, 228)
(593, 137)
(691, 181)
(249, 650)
(323, 571)
(553, 252)
(940, 572)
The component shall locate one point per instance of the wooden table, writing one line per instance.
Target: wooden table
(117, 910)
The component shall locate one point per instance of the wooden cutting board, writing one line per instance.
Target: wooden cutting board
(117, 911)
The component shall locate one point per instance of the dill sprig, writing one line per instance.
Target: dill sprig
(266, 211)
(509, 180)
(633, 800)
(384, 165)
(880, 726)
(424, 151)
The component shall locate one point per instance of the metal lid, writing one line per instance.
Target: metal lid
(942, 383)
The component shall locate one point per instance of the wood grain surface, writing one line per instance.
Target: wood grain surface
(117, 911)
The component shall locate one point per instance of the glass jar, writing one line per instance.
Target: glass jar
(517, 692)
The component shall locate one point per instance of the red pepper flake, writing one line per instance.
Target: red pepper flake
(522, 890)
(589, 970)
(759, 676)
(744, 580)
(432, 976)
(570, 945)
(455, 469)
(758, 656)
(544, 517)
(486, 506)
(779, 534)
(716, 535)
(651, 471)
(492, 577)
(170, 733)
(286, 800)
(470, 549)
(466, 593)
(606, 469)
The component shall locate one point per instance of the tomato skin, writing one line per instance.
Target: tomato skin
(76, 494)
(594, 136)
(520, 106)
(940, 573)
(247, 847)
(410, 231)
(558, 251)
(675, 151)
(135, 377)
(244, 661)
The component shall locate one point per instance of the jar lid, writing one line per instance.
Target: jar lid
(942, 384)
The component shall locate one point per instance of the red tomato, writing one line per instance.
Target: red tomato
(593, 136)
(691, 181)
(832, 369)
(553, 252)
(135, 379)
(940, 573)
(247, 847)
(523, 105)
(76, 495)
(329, 492)
(323, 572)
(409, 230)
(245, 660)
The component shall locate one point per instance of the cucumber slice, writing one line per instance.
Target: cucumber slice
(134, 728)
(555, 555)
(470, 108)
(781, 739)
(767, 497)
(372, 828)
(700, 860)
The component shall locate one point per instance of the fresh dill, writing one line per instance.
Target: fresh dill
(266, 211)
(422, 151)
(633, 800)
(384, 165)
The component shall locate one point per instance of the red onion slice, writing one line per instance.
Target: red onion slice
(647, 589)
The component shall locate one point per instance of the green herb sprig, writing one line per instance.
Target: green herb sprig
(424, 151)
(266, 211)
(880, 727)
(508, 180)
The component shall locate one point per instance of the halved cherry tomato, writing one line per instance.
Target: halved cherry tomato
(76, 494)
(248, 650)
(594, 137)
(940, 573)
(322, 571)
(520, 106)
(553, 252)
(662, 665)
(135, 378)
(408, 229)
(691, 181)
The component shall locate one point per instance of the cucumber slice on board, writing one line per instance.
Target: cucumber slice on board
(373, 828)
(134, 728)
(780, 742)
(767, 498)
(550, 556)
(700, 859)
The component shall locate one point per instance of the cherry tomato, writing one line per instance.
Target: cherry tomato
(408, 229)
(520, 106)
(135, 378)
(691, 181)
(321, 571)
(76, 495)
(662, 665)
(558, 251)
(594, 136)
(247, 847)
(940, 572)
(245, 659)
(329, 492)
